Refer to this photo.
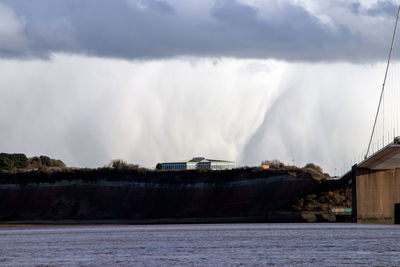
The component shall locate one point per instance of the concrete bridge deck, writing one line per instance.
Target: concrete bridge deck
(385, 159)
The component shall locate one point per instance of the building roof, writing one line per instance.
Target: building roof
(217, 160)
(199, 159)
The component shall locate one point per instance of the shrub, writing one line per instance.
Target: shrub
(158, 166)
(48, 162)
(122, 165)
(35, 162)
(20, 160)
(13, 161)
(57, 163)
(45, 160)
(313, 166)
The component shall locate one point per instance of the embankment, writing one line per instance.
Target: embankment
(241, 195)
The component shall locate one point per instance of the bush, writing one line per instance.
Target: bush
(45, 160)
(158, 166)
(314, 167)
(122, 165)
(35, 162)
(57, 163)
(48, 162)
(13, 161)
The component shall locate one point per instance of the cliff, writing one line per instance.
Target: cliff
(153, 196)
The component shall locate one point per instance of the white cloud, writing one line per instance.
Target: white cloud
(324, 116)
(88, 111)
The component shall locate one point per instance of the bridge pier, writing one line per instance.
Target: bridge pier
(354, 193)
(376, 194)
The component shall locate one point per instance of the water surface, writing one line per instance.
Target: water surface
(202, 245)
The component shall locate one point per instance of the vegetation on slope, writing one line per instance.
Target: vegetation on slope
(333, 193)
(21, 170)
(21, 163)
(13, 161)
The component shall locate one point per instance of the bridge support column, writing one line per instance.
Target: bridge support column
(354, 193)
(377, 192)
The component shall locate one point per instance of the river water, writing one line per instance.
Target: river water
(202, 245)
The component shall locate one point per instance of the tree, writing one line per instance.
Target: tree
(13, 161)
(45, 160)
(122, 165)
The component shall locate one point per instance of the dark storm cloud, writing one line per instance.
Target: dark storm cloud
(155, 29)
(380, 8)
(290, 32)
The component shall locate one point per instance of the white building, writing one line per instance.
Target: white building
(199, 163)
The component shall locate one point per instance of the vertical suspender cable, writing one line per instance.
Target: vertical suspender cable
(384, 81)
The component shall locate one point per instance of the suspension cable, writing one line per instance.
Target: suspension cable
(384, 81)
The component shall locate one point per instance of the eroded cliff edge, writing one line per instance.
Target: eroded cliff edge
(156, 196)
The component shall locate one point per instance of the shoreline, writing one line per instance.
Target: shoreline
(279, 217)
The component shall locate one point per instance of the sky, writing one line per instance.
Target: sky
(148, 81)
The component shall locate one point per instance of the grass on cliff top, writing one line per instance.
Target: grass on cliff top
(18, 169)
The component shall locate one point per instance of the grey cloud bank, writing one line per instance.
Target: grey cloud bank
(86, 106)
(133, 29)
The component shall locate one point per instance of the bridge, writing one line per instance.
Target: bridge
(376, 179)
(384, 159)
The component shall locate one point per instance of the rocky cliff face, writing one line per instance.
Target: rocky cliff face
(150, 196)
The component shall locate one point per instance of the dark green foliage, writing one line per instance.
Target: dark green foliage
(158, 166)
(122, 165)
(48, 162)
(13, 161)
(35, 162)
(45, 160)
(19, 162)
